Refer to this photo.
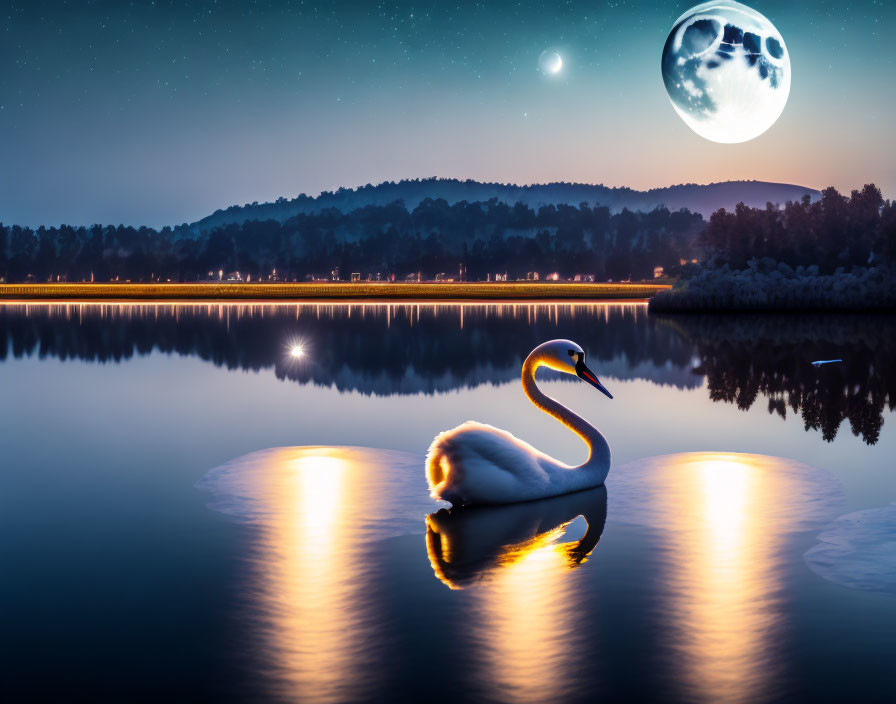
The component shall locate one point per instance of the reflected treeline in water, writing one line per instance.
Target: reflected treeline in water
(373, 348)
(405, 348)
(745, 357)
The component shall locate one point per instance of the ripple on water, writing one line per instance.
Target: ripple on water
(720, 546)
(858, 550)
(381, 492)
(311, 615)
(699, 489)
(722, 552)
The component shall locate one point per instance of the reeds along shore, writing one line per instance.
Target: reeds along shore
(358, 290)
(781, 289)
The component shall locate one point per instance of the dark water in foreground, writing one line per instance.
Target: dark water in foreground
(188, 511)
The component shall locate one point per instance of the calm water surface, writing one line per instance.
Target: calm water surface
(185, 508)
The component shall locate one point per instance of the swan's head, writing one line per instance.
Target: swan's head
(567, 357)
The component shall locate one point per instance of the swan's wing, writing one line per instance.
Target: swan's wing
(498, 448)
(483, 464)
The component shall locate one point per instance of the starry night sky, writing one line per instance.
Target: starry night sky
(161, 112)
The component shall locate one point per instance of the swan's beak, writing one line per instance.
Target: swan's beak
(585, 374)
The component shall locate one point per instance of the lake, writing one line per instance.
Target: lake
(187, 508)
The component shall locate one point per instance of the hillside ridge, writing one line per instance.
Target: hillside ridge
(701, 198)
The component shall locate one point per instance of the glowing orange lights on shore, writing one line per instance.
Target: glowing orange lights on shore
(357, 290)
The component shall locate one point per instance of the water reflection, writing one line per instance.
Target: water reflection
(374, 348)
(312, 616)
(524, 628)
(474, 544)
(724, 525)
(858, 550)
(747, 356)
(405, 348)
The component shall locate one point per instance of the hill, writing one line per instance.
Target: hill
(703, 199)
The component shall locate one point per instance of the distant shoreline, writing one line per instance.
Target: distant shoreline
(780, 289)
(329, 291)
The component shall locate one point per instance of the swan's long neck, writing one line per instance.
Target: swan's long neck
(598, 448)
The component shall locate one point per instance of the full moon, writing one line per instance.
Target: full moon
(550, 63)
(727, 71)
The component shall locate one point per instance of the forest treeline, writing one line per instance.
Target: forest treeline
(469, 240)
(837, 253)
(834, 231)
(477, 238)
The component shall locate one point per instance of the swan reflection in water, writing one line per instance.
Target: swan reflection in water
(713, 570)
(525, 632)
(311, 615)
(717, 536)
(472, 544)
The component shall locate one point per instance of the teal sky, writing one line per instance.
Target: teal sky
(161, 112)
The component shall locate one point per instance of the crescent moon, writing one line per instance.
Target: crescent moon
(550, 63)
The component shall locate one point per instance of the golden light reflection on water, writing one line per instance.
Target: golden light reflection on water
(715, 566)
(312, 616)
(527, 626)
(526, 610)
(723, 522)
(448, 312)
(727, 582)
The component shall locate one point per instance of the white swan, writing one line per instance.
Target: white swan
(479, 464)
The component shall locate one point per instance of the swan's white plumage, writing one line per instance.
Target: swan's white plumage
(477, 463)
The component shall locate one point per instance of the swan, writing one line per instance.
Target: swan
(477, 463)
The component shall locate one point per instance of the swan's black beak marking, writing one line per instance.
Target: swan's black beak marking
(585, 374)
